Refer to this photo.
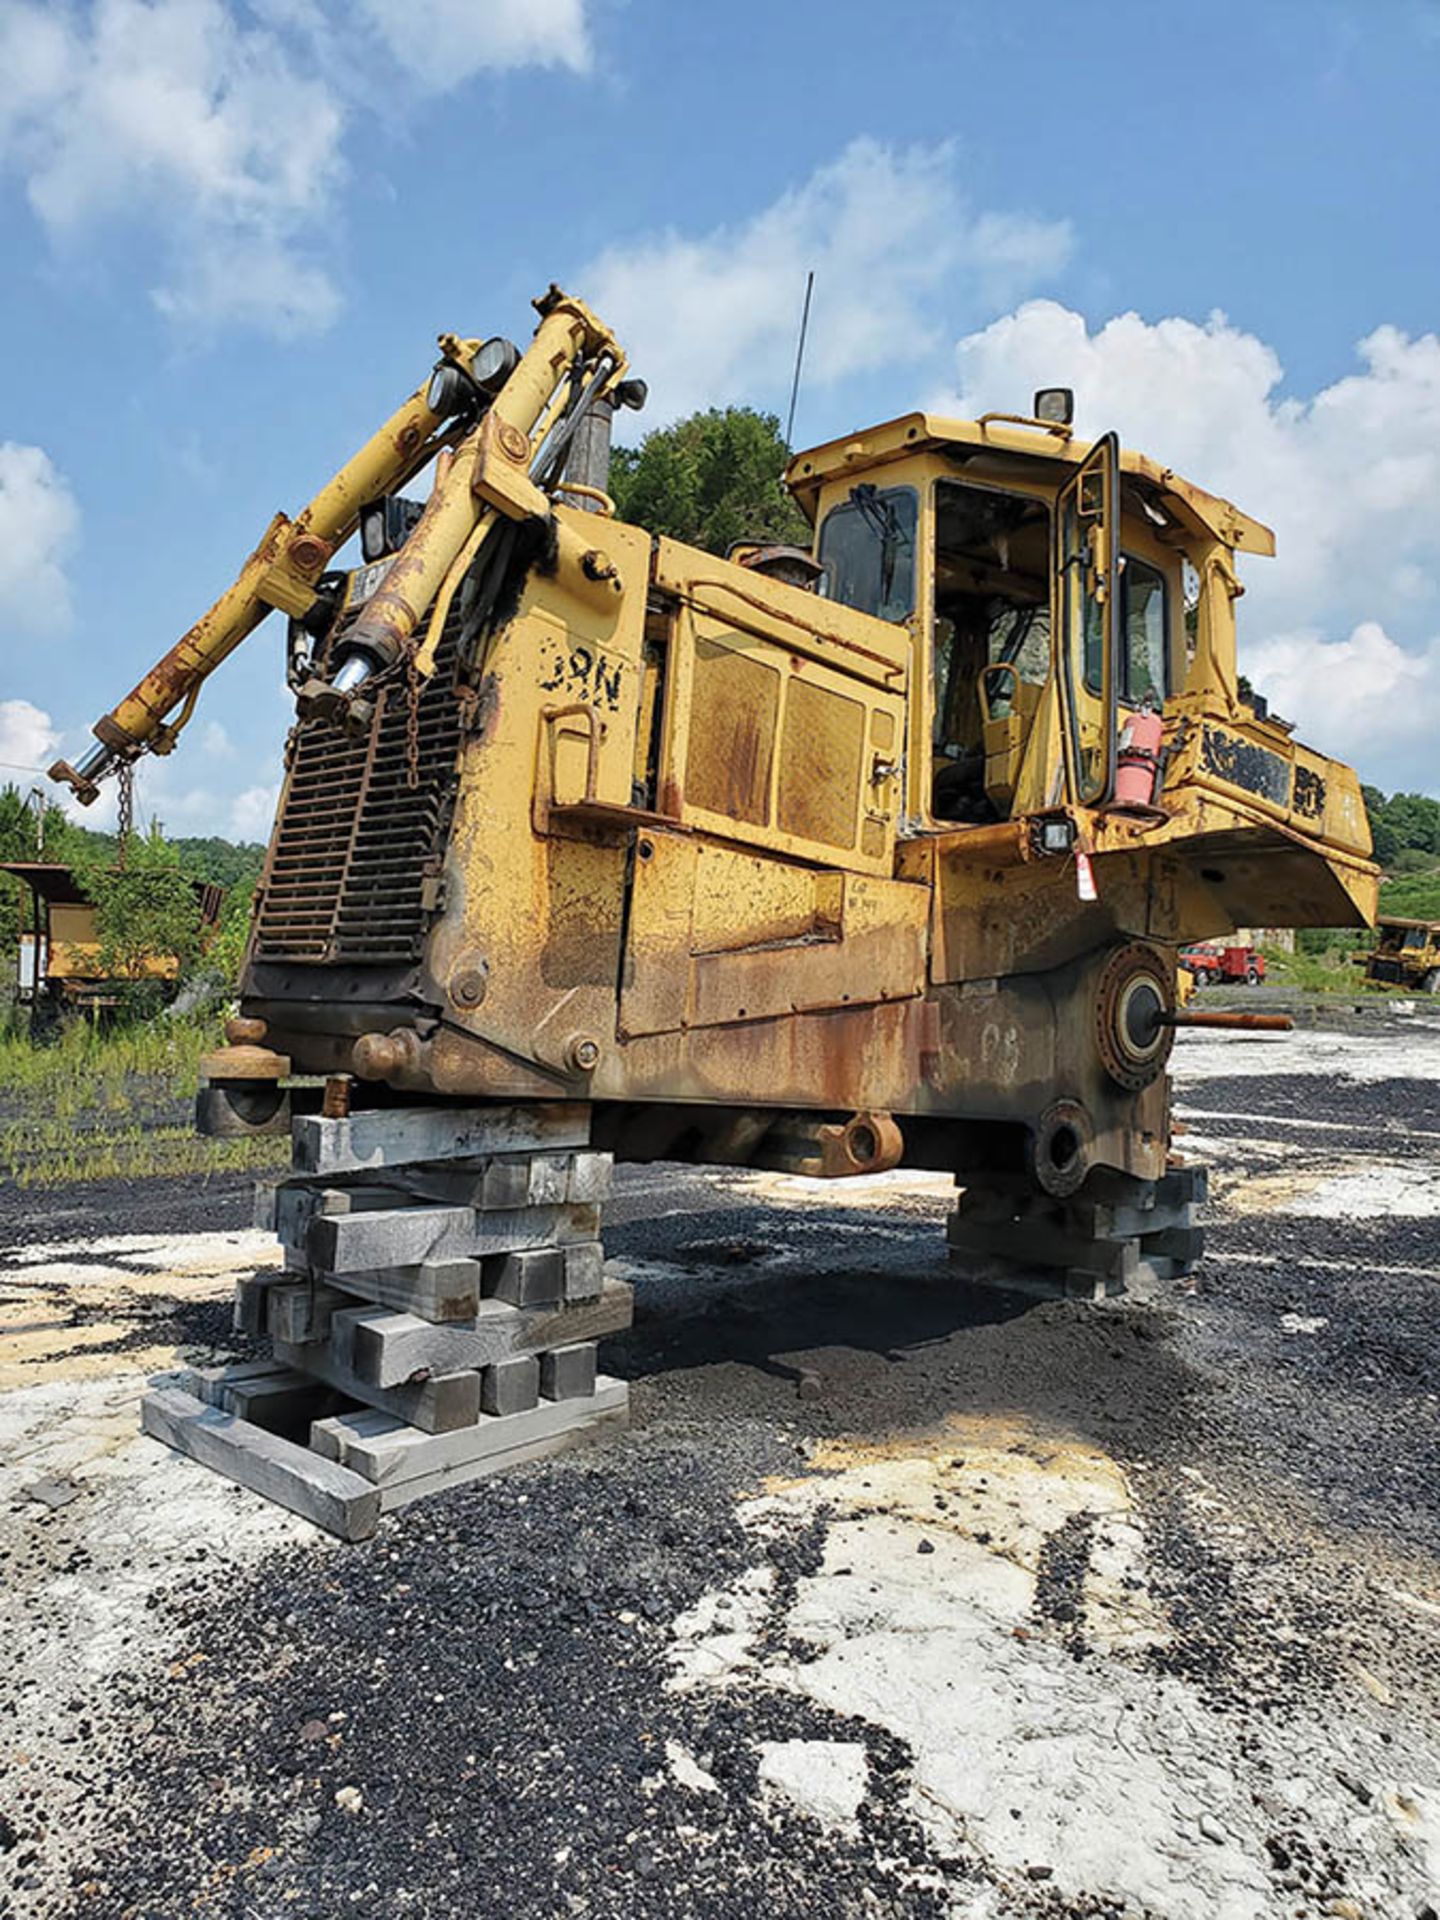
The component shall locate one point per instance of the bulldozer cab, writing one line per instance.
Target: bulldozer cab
(1046, 601)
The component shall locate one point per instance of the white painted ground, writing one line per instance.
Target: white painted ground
(921, 1620)
(134, 1520)
(1415, 1053)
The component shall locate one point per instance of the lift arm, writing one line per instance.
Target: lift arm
(479, 391)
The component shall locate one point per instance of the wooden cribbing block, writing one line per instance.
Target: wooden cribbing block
(1125, 1223)
(1184, 1244)
(533, 1277)
(390, 1455)
(435, 1405)
(331, 1495)
(404, 1236)
(512, 1180)
(295, 1203)
(272, 1396)
(591, 1177)
(1041, 1242)
(383, 1349)
(584, 1270)
(252, 1314)
(299, 1311)
(568, 1373)
(438, 1290)
(510, 1386)
(394, 1136)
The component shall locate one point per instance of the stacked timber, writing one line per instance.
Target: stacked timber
(1124, 1236)
(437, 1318)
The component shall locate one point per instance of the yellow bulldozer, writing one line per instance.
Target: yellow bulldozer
(877, 856)
(1405, 956)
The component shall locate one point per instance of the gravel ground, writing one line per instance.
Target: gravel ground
(900, 1597)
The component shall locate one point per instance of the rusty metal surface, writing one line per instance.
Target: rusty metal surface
(354, 841)
(1233, 1022)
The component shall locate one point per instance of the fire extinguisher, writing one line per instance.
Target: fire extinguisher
(1137, 767)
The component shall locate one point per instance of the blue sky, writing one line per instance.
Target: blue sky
(232, 231)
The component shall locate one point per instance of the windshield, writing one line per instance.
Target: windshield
(867, 548)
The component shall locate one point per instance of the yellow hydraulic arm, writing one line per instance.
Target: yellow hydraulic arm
(481, 394)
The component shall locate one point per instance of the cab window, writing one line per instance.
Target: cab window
(1142, 633)
(1142, 666)
(867, 548)
(992, 610)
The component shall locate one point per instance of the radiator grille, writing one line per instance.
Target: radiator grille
(355, 843)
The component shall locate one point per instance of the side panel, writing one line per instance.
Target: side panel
(775, 750)
(718, 936)
(526, 953)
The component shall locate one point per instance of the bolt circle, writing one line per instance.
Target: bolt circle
(1136, 990)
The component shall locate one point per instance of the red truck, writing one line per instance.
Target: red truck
(1217, 966)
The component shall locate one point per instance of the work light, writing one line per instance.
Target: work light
(1055, 406)
(449, 391)
(385, 525)
(494, 363)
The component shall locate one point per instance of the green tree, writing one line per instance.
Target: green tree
(145, 911)
(1387, 841)
(226, 951)
(1415, 820)
(20, 839)
(228, 863)
(710, 480)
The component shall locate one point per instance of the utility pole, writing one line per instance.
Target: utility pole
(37, 794)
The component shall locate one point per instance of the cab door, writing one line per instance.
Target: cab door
(1087, 624)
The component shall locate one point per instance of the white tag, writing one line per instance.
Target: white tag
(1085, 877)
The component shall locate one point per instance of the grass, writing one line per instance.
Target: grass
(1330, 972)
(105, 1105)
(1412, 896)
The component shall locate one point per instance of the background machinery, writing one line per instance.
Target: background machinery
(1406, 955)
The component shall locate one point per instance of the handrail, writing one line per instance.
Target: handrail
(1057, 427)
(579, 709)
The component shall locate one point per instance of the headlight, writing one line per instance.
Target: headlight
(372, 532)
(494, 363)
(448, 392)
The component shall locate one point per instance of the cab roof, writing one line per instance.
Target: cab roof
(997, 442)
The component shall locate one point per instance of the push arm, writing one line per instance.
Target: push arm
(497, 409)
(281, 572)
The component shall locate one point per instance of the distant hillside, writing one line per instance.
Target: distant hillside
(228, 863)
(1406, 827)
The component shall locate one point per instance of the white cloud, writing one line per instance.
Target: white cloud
(445, 42)
(1349, 478)
(172, 789)
(38, 523)
(27, 740)
(218, 131)
(173, 114)
(1384, 699)
(887, 231)
(253, 281)
(252, 812)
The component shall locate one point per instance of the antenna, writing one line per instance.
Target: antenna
(799, 357)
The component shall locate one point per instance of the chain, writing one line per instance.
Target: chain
(125, 783)
(412, 725)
